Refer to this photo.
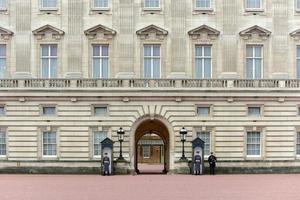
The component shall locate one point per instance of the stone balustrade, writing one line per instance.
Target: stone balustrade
(147, 83)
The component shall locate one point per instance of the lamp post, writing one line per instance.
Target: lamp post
(121, 139)
(183, 133)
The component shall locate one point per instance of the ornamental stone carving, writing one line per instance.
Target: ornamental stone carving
(204, 33)
(48, 32)
(5, 34)
(152, 32)
(100, 32)
(296, 35)
(255, 33)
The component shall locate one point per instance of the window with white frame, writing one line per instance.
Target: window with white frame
(146, 151)
(254, 111)
(253, 4)
(98, 137)
(49, 143)
(49, 110)
(2, 60)
(203, 111)
(151, 3)
(297, 5)
(203, 4)
(298, 144)
(49, 60)
(298, 62)
(2, 143)
(203, 62)
(3, 5)
(253, 143)
(49, 4)
(254, 62)
(205, 136)
(100, 61)
(152, 61)
(2, 110)
(100, 110)
(100, 4)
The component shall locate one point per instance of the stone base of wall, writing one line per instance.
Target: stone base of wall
(255, 170)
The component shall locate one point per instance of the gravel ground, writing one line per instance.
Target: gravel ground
(149, 187)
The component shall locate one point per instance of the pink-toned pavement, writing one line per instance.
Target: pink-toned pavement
(149, 187)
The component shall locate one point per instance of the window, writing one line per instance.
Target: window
(203, 111)
(2, 59)
(2, 144)
(298, 144)
(298, 62)
(100, 61)
(253, 4)
(151, 3)
(49, 143)
(152, 61)
(49, 60)
(254, 111)
(99, 136)
(100, 4)
(49, 110)
(253, 143)
(3, 5)
(254, 63)
(100, 111)
(203, 4)
(297, 5)
(49, 4)
(205, 136)
(203, 62)
(146, 151)
(2, 111)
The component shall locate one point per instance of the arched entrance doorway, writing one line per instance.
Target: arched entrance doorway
(156, 131)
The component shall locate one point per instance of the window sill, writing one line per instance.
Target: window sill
(151, 11)
(48, 9)
(253, 157)
(254, 12)
(203, 11)
(49, 157)
(100, 9)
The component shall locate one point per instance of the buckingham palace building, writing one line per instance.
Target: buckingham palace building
(72, 72)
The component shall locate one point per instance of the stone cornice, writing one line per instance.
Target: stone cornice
(152, 32)
(204, 32)
(255, 32)
(296, 35)
(5, 34)
(100, 31)
(44, 31)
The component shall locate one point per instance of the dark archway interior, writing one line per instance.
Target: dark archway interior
(159, 129)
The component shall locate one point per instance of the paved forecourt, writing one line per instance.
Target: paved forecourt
(149, 187)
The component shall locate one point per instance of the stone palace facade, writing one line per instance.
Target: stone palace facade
(72, 72)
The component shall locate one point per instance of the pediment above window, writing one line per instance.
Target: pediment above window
(255, 32)
(100, 32)
(5, 34)
(48, 31)
(295, 34)
(204, 32)
(152, 32)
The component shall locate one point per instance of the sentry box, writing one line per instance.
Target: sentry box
(198, 146)
(107, 151)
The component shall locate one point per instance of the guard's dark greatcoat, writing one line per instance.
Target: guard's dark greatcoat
(212, 164)
(198, 161)
(106, 163)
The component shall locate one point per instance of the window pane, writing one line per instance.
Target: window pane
(49, 110)
(258, 52)
(249, 68)
(198, 69)
(205, 136)
(156, 68)
(104, 68)
(147, 50)
(258, 69)
(207, 51)
(49, 143)
(101, 3)
(2, 3)
(45, 50)
(49, 3)
(2, 50)
(100, 111)
(249, 52)
(156, 50)
(198, 51)
(151, 3)
(203, 111)
(253, 143)
(298, 68)
(207, 68)
(104, 50)
(53, 68)
(96, 68)
(96, 50)
(146, 151)
(253, 4)
(99, 136)
(254, 111)
(297, 4)
(2, 111)
(298, 50)
(53, 49)
(147, 68)
(2, 68)
(45, 68)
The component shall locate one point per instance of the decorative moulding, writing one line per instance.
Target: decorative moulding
(255, 33)
(152, 32)
(296, 35)
(204, 33)
(100, 32)
(5, 34)
(48, 31)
